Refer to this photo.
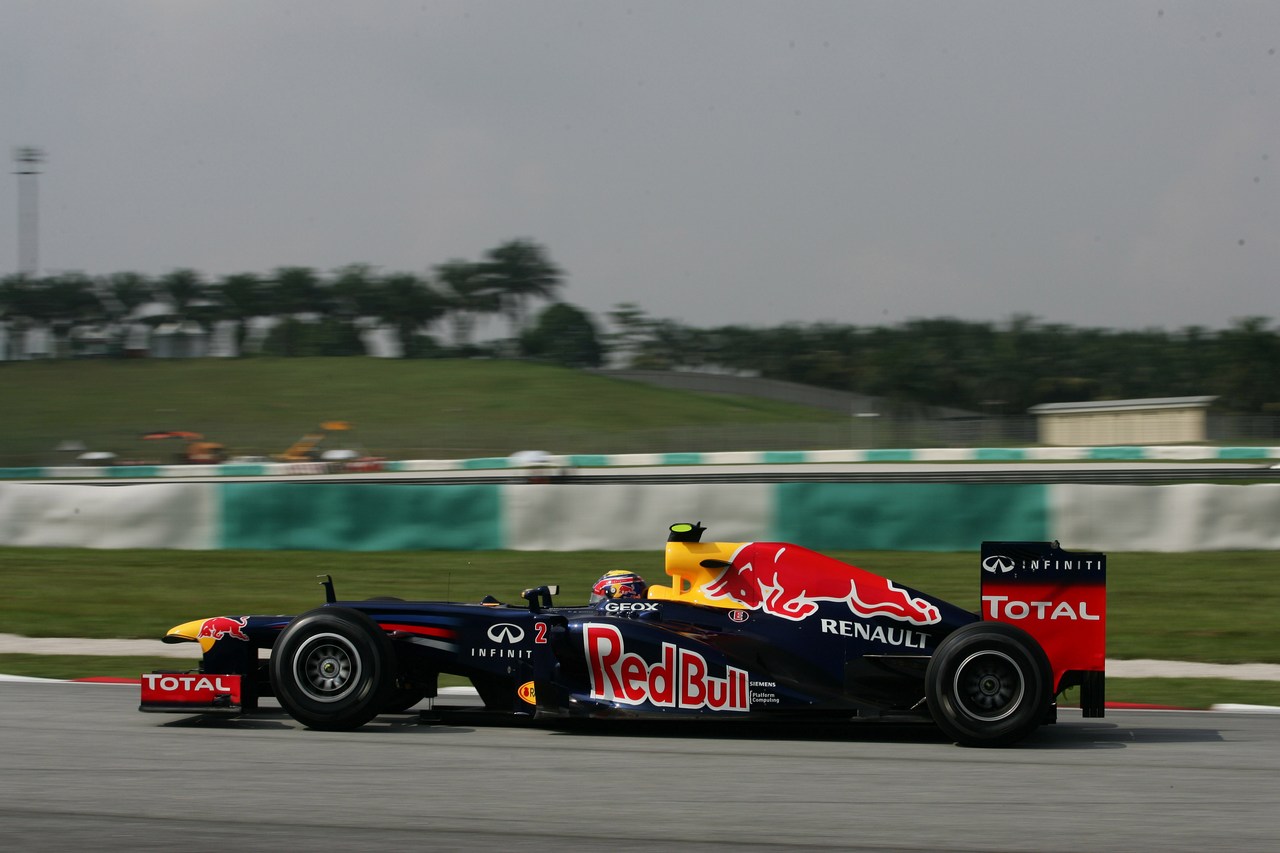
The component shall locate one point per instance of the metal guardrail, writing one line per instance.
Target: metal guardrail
(1129, 476)
(1026, 473)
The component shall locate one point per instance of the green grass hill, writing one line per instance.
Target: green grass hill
(406, 409)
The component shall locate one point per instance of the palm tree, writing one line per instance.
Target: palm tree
(1250, 358)
(290, 292)
(633, 329)
(19, 307)
(467, 293)
(520, 270)
(59, 302)
(355, 294)
(407, 302)
(186, 289)
(295, 290)
(122, 292)
(241, 297)
(194, 311)
(71, 302)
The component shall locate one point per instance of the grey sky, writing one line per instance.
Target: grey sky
(1091, 163)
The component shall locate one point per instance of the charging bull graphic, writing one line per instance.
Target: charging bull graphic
(224, 626)
(787, 581)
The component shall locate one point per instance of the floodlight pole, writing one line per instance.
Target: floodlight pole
(28, 159)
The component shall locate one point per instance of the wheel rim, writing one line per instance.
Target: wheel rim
(989, 686)
(327, 667)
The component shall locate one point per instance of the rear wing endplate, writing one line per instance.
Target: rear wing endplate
(1058, 597)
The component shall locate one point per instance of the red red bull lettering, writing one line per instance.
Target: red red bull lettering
(788, 581)
(224, 626)
(679, 680)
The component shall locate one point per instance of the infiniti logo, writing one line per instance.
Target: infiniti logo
(505, 632)
(997, 563)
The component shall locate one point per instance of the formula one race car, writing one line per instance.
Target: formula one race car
(757, 630)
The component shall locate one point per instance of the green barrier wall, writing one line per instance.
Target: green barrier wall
(908, 516)
(361, 517)
(821, 516)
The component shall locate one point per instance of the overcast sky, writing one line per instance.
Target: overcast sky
(1107, 164)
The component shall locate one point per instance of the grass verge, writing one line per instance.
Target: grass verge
(1206, 607)
(1184, 692)
(401, 408)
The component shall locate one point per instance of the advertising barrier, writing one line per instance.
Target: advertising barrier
(480, 516)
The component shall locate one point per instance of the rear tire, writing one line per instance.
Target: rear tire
(333, 668)
(988, 684)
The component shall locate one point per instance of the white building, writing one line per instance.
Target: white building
(1158, 420)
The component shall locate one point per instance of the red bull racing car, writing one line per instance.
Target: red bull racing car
(754, 630)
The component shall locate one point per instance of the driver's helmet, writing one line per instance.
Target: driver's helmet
(618, 583)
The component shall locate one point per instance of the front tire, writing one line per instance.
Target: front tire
(333, 668)
(988, 684)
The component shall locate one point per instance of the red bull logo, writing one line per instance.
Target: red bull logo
(679, 680)
(789, 581)
(224, 626)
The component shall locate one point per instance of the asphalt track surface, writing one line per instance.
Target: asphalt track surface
(83, 769)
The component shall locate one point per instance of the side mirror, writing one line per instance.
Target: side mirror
(540, 596)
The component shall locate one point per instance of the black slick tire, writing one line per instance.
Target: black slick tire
(333, 668)
(988, 684)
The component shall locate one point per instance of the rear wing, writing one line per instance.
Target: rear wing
(1059, 598)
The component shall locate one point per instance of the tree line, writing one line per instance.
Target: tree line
(990, 368)
(315, 314)
(993, 368)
